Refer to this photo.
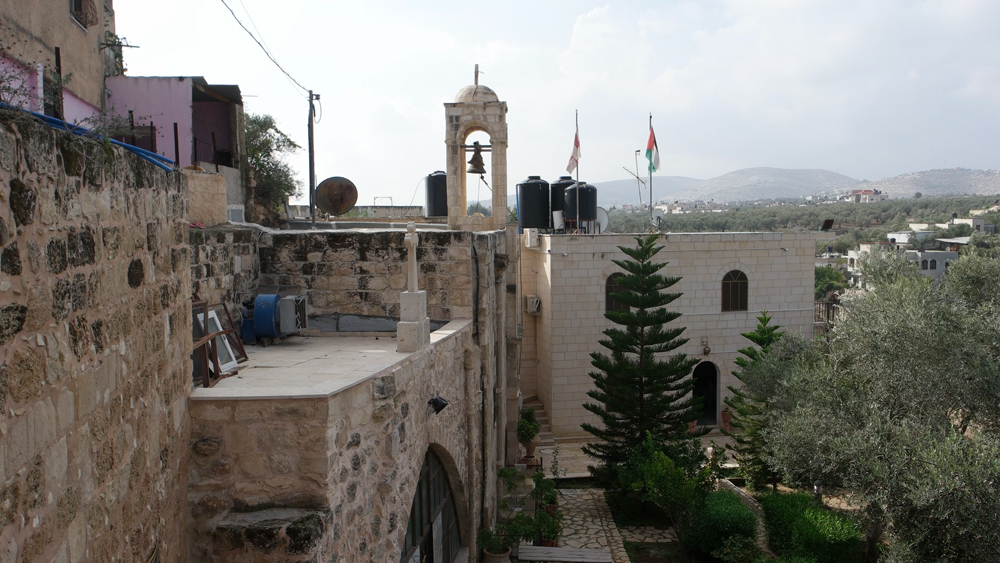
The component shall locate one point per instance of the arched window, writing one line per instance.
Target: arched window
(734, 291)
(433, 513)
(612, 285)
(706, 388)
(934, 264)
(923, 264)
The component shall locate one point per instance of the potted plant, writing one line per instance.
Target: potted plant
(496, 543)
(549, 527)
(544, 493)
(528, 428)
(727, 418)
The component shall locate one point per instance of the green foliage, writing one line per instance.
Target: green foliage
(549, 526)
(901, 404)
(749, 410)
(527, 426)
(828, 279)
(506, 535)
(799, 526)
(477, 207)
(739, 549)
(975, 279)
(675, 488)
(266, 146)
(857, 219)
(886, 266)
(637, 390)
(720, 517)
(544, 492)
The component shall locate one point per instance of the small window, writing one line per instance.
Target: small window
(850, 262)
(735, 289)
(946, 264)
(612, 285)
(84, 12)
(934, 264)
(923, 264)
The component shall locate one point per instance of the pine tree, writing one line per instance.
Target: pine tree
(638, 392)
(748, 411)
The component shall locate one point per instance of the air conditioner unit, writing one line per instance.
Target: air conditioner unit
(292, 314)
(532, 304)
(531, 238)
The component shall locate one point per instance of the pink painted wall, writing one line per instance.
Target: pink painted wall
(75, 109)
(22, 87)
(160, 100)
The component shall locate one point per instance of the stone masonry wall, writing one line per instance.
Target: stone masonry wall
(362, 272)
(94, 351)
(224, 264)
(350, 462)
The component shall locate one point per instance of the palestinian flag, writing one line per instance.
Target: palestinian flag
(652, 151)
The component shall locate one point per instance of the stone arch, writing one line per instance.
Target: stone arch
(707, 385)
(425, 509)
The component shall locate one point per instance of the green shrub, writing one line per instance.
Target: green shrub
(798, 526)
(780, 514)
(828, 536)
(720, 517)
(527, 426)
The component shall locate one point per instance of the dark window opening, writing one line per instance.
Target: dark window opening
(735, 291)
(612, 285)
(706, 388)
(923, 264)
(433, 512)
(934, 264)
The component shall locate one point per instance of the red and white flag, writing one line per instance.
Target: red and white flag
(574, 159)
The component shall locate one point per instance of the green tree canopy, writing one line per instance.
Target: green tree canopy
(266, 147)
(639, 391)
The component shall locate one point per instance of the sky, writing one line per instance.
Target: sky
(868, 88)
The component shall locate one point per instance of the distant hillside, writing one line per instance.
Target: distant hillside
(741, 185)
(621, 192)
(939, 182)
(771, 183)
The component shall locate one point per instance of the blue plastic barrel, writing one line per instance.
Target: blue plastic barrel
(265, 316)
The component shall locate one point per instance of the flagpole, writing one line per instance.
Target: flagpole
(651, 179)
(578, 176)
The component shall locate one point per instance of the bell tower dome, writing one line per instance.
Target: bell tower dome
(476, 108)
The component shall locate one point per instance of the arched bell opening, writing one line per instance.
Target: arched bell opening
(434, 528)
(706, 388)
(477, 181)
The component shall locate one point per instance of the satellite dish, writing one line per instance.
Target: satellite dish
(602, 220)
(336, 195)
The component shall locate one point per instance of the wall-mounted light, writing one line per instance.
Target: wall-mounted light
(438, 404)
(705, 348)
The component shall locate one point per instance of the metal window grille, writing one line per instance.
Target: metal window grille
(735, 291)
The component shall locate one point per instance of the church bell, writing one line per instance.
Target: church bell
(476, 164)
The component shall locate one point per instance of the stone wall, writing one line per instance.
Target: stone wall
(362, 272)
(95, 329)
(224, 264)
(347, 463)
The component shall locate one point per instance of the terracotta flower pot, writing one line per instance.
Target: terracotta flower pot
(529, 447)
(496, 557)
(693, 426)
(727, 417)
(551, 508)
(549, 543)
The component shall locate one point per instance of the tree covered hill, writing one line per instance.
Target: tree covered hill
(939, 182)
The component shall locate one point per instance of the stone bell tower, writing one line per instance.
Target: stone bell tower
(476, 108)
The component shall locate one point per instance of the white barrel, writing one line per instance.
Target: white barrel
(557, 219)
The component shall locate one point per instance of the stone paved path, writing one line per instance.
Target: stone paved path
(588, 524)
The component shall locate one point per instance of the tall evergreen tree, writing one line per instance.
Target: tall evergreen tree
(749, 410)
(638, 391)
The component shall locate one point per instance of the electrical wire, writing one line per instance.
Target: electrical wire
(415, 189)
(320, 118)
(263, 48)
(261, 35)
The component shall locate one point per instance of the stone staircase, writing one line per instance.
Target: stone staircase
(545, 436)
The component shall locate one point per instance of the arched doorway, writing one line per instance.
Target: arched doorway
(432, 532)
(706, 387)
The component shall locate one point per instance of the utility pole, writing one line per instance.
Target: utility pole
(312, 161)
(638, 180)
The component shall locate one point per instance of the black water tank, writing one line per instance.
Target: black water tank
(533, 203)
(587, 195)
(558, 196)
(437, 194)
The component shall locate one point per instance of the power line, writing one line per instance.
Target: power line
(266, 52)
(259, 34)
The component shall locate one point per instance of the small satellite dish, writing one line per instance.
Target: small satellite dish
(336, 195)
(602, 220)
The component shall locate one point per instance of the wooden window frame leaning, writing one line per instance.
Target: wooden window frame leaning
(205, 347)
